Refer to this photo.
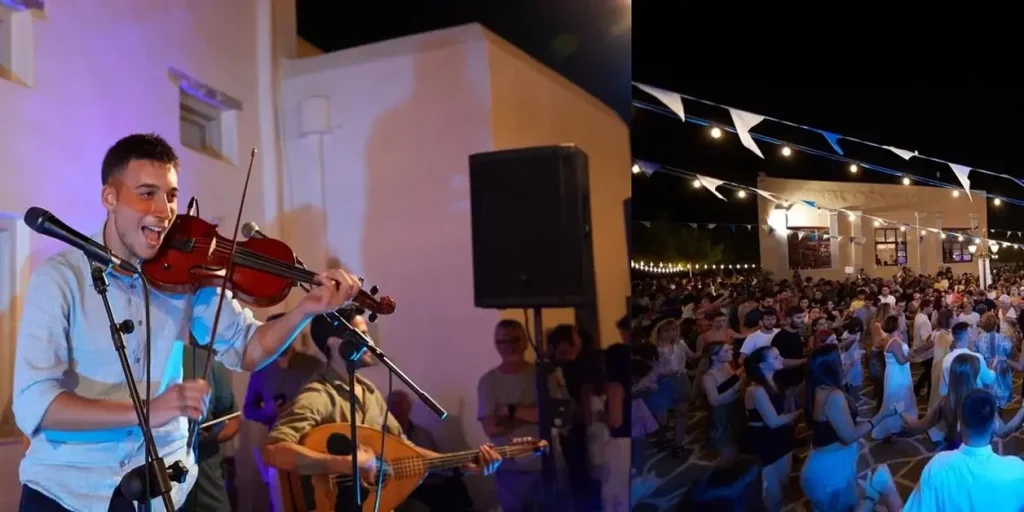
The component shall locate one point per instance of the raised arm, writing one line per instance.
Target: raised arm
(711, 391)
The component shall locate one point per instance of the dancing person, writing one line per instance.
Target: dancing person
(961, 341)
(997, 350)
(899, 385)
(876, 358)
(70, 393)
(972, 477)
(922, 333)
(770, 433)
(963, 379)
(722, 387)
(673, 383)
(829, 476)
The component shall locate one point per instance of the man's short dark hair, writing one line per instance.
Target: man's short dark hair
(325, 326)
(793, 311)
(140, 146)
(977, 410)
(960, 329)
(769, 312)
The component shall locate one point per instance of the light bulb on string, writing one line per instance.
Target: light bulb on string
(956, 193)
(786, 151)
(696, 184)
(853, 168)
(716, 132)
(741, 194)
(906, 180)
(636, 169)
(997, 201)
(853, 217)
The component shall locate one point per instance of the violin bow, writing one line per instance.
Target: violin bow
(194, 425)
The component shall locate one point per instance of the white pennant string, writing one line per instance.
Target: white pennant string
(962, 172)
(711, 184)
(671, 100)
(744, 121)
(765, 194)
(906, 155)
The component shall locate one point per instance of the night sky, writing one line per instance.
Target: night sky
(967, 121)
(586, 41)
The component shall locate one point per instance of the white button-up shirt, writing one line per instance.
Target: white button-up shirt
(985, 374)
(969, 478)
(64, 345)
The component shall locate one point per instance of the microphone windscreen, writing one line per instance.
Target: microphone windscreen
(35, 217)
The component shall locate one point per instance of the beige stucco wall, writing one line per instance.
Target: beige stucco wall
(928, 207)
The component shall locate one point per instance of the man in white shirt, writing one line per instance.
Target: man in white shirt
(761, 337)
(960, 340)
(971, 318)
(922, 331)
(972, 477)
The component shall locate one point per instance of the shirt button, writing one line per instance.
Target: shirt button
(123, 463)
(141, 322)
(132, 286)
(129, 432)
(138, 360)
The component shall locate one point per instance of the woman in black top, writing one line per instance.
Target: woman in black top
(723, 388)
(770, 434)
(829, 476)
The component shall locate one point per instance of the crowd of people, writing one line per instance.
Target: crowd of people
(764, 356)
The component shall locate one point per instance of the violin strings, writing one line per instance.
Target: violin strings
(264, 262)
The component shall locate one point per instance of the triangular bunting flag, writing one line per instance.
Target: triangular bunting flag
(838, 238)
(749, 226)
(906, 155)
(648, 168)
(693, 225)
(744, 121)
(800, 235)
(833, 139)
(711, 184)
(671, 100)
(712, 226)
(812, 204)
(766, 227)
(645, 224)
(962, 172)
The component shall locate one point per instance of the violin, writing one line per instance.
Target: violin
(194, 255)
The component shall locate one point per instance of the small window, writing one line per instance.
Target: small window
(890, 247)
(200, 126)
(809, 249)
(17, 52)
(208, 118)
(954, 246)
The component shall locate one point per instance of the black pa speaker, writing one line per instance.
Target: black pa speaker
(531, 228)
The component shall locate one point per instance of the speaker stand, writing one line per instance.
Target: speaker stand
(544, 413)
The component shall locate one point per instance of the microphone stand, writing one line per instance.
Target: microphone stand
(354, 344)
(135, 484)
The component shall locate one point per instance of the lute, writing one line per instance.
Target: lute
(403, 469)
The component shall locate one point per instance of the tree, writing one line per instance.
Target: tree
(672, 242)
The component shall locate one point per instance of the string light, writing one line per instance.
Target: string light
(956, 193)
(786, 151)
(716, 132)
(675, 268)
(636, 169)
(741, 194)
(853, 168)
(997, 201)
(906, 180)
(696, 184)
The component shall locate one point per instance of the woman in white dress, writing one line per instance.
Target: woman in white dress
(899, 386)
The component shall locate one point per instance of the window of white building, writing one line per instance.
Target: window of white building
(208, 118)
(17, 44)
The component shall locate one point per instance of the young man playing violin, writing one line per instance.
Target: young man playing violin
(70, 396)
(326, 399)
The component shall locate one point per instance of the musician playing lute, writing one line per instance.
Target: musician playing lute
(325, 399)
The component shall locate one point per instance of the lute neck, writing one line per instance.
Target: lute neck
(459, 459)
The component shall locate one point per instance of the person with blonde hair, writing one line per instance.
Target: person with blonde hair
(672, 380)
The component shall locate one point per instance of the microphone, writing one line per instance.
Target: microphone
(46, 223)
(251, 230)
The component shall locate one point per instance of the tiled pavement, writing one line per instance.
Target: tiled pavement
(662, 478)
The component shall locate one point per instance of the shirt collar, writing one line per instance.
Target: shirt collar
(98, 237)
(332, 376)
(976, 451)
